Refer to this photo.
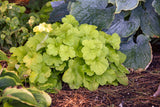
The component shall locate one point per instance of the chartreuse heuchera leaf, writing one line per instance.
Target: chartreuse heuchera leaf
(79, 55)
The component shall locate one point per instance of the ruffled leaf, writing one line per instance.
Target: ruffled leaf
(74, 75)
(66, 52)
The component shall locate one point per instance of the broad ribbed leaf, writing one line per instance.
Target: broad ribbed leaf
(124, 27)
(156, 5)
(58, 13)
(21, 95)
(6, 81)
(98, 4)
(138, 54)
(112, 1)
(43, 99)
(126, 5)
(57, 3)
(150, 23)
(11, 74)
(85, 13)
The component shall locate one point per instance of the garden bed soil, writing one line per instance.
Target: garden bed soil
(139, 92)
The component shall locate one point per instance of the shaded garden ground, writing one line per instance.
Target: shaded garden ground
(139, 92)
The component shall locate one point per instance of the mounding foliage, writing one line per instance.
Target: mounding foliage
(76, 54)
(128, 18)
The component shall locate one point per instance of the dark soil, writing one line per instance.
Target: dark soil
(139, 92)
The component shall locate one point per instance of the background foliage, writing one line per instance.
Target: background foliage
(136, 21)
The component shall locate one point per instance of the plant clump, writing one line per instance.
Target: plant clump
(76, 54)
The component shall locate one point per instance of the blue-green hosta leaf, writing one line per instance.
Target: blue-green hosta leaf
(98, 4)
(94, 16)
(139, 54)
(150, 23)
(156, 5)
(112, 1)
(57, 3)
(126, 5)
(58, 13)
(124, 27)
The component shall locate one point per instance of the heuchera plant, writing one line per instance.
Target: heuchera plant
(135, 21)
(76, 54)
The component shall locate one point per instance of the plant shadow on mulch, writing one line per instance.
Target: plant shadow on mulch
(139, 92)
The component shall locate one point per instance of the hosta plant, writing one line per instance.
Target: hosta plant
(24, 97)
(136, 22)
(76, 54)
